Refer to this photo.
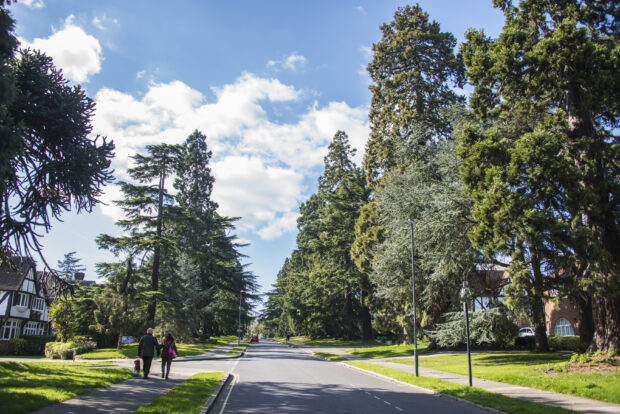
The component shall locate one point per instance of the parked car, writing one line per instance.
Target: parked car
(254, 338)
(128, 340)
(526, 338)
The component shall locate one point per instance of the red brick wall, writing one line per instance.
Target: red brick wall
(566, 309)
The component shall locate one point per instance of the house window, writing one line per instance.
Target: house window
(38, 304)
(31, 328)
(21, 300)
(563, 328)
(10, 330)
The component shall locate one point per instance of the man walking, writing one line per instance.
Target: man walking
(146, 350)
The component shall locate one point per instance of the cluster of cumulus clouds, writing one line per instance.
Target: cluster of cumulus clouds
(261, 165)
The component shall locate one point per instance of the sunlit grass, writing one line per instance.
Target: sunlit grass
(325, 341)
(331, 357)
(25, 387)
(131, 350)
(388, 351)
(473, 394)
(187, 397)
(531, 370)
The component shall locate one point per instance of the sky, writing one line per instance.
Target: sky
(269, 83)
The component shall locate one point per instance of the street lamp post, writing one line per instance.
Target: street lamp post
(464, 297)
(239, 322)
(415, 333)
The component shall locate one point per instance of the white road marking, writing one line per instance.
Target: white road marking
(387, 402)
(398, 408)
(232, 385)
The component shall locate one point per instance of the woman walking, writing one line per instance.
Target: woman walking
(168, 353)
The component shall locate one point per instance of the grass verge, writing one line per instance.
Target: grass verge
(473, 394)
(25, 387)
(329, 356)
(131, 351)
(239, 349)
(545, 371)
(388, 351)
(326, 342)
(187, 397)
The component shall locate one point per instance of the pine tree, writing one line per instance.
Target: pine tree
(413, 70)
(541, 166)
(69, 265)
(49, 163)
(147, 206)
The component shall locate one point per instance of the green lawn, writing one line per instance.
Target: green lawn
(331, 357)
(187, 397)
(477, 395)
(530, 370)
(131, 351)
(388, 351)
(325, 342)
(25, 387)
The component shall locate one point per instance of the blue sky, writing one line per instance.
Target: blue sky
(268, 82)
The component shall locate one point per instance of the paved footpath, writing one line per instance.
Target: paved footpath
(134, 393)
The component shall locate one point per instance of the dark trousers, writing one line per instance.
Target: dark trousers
(165, 366)
(146, 361)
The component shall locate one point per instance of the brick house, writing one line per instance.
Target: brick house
(487, 285)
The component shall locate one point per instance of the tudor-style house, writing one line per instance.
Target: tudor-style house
(23, 310)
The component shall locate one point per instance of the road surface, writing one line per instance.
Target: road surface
(273, 378)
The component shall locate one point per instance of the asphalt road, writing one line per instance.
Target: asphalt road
(274, 378)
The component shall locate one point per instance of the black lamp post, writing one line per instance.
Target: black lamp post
(239, 322)
(415, 333)
(464, 297)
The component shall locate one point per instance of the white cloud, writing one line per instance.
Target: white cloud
(360, 9)
(293, 62)
(33, 4)
(103, 22)
(77, 53)
(141, 74)
(259, 165)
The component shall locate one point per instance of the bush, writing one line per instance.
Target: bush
(487, 328)
(564, 343)
(66, 350)
(19, 346)
(36, 343)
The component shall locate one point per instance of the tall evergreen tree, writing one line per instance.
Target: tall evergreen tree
(49, 163)
(147, 205)
(69, 265)
(542, 164)
(413, 71)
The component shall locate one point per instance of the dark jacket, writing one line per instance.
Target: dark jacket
(165, 348)
(147, 346)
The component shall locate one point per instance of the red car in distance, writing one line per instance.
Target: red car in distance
(254, 338)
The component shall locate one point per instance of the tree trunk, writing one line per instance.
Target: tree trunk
(347, 313)
(600, 217)
(366, 322)
(157, 251)
(607, 323)
(586, 320)
(538, 304)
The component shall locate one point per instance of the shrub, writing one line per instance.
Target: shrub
(580, 358)
(36, 343)
(19, 345)
(66, 350)
(564, 343)
(487, 328)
